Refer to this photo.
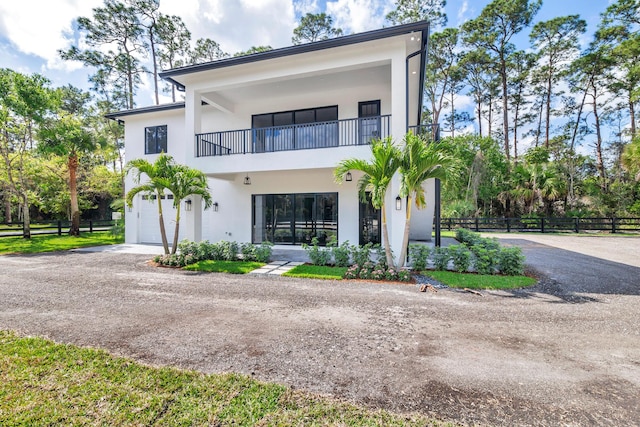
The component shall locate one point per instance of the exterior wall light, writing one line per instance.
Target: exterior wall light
(398, 203)
(215, 207)
(187, 205)
(247, 180)
(348, 177)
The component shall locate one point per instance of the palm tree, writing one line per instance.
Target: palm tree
(159, 175)
(377, 175)
(187, 182)
(420, 162)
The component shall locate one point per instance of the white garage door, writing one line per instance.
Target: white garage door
(148, 225)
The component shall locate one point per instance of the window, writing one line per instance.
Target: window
(297, 129)
(295, 218)
(155, 139)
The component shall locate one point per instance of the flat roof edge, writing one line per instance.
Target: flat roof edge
(300, 49)
(151, 109)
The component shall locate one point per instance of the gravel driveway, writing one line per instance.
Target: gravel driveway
(537, 357)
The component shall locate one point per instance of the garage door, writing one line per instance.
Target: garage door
(148, 225)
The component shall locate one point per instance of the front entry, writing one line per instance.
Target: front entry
(369, 223)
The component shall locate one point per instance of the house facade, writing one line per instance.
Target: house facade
(268, 129)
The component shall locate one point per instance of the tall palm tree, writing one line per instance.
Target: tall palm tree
(187, 182)
(420, 162)
(159, 179)
(377, 175)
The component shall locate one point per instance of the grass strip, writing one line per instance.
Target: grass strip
(480, 281)
(43, 383)
(51, 243)
(232, 267)
(306, 271)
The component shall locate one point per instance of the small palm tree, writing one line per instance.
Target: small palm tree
(186, 182)
(378, 173)
(159, 175)
(420, 162)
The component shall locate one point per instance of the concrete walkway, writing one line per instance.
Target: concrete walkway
(277, 268)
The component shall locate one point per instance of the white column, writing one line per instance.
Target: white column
(396, 218)
(192, 221)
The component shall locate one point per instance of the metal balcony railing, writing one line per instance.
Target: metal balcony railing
(306, 136)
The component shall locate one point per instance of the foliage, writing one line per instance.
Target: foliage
(314, 27)
(419, 254)
(511, 261)
(461, 257)
(52, 243)
(317, 255)
(189, 252)
(341, 253)
(440, 258)
(134, 393)
(479, 281)
(361, 254)
(373, 271)
(317, 272)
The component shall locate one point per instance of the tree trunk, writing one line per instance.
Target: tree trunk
(385, 237)
(405, 236)
(163, 233)
(479, 106)
(505, 106)
(7, 204)
(26, 218)
(599, 158)
(175, 236)
(577, 126)
(155, 64)
(632, 114)
(548, 106)
(72, 163)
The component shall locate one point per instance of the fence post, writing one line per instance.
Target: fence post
(477, 225)
(508, 225)
(542, 224)
(613, 224)
(59, 228)
(449, 221)
(90, 226)
(577, 224)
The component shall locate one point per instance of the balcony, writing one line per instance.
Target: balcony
(307, 136)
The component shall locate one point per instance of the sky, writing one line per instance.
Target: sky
(32, 31)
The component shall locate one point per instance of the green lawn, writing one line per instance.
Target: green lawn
(480, 281)
(317, 272)
(233, 267)
(43, 383)
(50, 243)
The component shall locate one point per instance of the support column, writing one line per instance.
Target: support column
(192, 221)
(396, 218)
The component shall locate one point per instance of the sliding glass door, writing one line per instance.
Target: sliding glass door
(295, 218)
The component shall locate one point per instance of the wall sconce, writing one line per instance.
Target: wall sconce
(398, 203)
(215, 207)
(187, 205)
(247, 180)
(348, 177)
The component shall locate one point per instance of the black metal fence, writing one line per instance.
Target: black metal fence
(54, 227)
(544, 225)
(305, 136)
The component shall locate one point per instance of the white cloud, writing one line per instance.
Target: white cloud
(37, 27)
(302, 7)
(355, 16)
(462, 12)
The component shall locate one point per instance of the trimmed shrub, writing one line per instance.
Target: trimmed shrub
(485, 260)
(461, 257)
(263, 251)
(317, 255)
(511, 261)
(341, 254)
(418, 255)
(361, 254)
(440, 258)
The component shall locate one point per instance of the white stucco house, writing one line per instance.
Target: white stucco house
(268, 130)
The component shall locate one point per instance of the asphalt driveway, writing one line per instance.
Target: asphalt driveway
(566, 352)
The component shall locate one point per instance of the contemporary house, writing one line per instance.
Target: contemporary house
(268, 130)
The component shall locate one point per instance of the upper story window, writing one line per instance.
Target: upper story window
(155, 139)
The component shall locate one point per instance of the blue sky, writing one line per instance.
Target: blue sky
(31, 31)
